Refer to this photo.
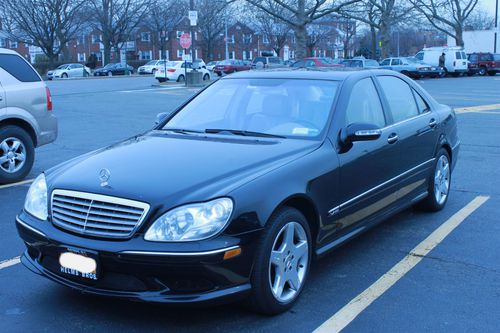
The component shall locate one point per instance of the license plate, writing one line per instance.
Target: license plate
(78, 264)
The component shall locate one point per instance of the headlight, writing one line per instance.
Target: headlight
(36, 199)
(191, 222)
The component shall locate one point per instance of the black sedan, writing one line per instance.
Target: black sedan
(239, 189)
(114, 69)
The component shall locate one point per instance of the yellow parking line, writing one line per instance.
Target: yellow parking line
(10, 262)
(478, 108)
(27, 181)
(357, 305)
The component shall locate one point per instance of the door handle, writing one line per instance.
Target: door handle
(393, 137)
(433, 123)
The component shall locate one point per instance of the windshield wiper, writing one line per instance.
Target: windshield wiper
(181, 130)
(243, 133)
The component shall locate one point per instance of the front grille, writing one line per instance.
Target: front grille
(96, 215)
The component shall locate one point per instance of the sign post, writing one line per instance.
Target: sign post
(185, 42)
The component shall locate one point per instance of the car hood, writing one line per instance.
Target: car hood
(170, 170)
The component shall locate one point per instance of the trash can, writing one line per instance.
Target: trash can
(194, 78)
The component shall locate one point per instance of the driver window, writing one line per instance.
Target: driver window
(364, 105)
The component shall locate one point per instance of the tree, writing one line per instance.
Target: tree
(116, 20)
(298, 14)
(479, 19)
(164, 15)
(50, 24)
(315, 34)
(448, 16)
(211, 18)
(276, 32)
(381, 16)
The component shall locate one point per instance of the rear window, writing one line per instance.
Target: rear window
(18, 68)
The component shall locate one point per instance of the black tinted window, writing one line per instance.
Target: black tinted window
(473, 58)
(364, 105)
(421, 103)
(400, 98)
(485, 57)
(18, 68)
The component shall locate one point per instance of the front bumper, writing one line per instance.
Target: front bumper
(145, 274)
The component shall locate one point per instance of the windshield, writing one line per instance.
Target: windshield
(62, 67)
(285, 107)
(109, 65)
(152, 62)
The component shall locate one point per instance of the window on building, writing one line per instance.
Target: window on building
(247, 39)
(82, 57)
(95, 39)
(163, 54)
(80, 40)
(265, 40)
(195, 35)
(145, 55)
(13, 44)
(180, 52)
(231, 39)
(145, 37)
(178, 33)
(3, 42)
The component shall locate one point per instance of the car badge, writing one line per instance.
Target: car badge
(104, 176)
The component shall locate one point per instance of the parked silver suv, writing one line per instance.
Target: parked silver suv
(26, 119)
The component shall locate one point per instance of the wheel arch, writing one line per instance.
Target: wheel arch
(22, 124)
(306, 206)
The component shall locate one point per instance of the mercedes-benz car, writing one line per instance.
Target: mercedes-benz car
(235, 193)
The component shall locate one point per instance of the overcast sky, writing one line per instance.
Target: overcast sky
(488, 5)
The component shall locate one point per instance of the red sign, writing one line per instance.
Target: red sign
(185, 41)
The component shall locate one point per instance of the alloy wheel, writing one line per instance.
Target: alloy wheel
(12, 155)
(288, 262)
(442, 180)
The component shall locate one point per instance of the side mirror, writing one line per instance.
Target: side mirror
(160, 117)
(359, 132)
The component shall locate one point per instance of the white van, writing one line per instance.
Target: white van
(455, 58)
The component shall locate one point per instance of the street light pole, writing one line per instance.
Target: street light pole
(191, 7)
(225, 32)
(496, 27)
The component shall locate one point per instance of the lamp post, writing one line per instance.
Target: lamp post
(225, 38)
(496, 27)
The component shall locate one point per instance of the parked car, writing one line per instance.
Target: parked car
(240, 188)
(210, 66)
(484, 63)
(455, 59)
(150, 67)
(312, 62)
(230, 66)
(176, 70)
(411, 67)
(114, 69)
(199, 63)
(267, 62)
(68, 70)
(26, 119)
(360, 62)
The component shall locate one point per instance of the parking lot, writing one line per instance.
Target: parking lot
(455, 287)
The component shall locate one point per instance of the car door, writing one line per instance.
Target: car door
(415, 125)
(368, 169)
(396, 64)
(3, 102)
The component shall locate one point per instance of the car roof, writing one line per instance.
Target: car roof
(334, 75)
(7, 51)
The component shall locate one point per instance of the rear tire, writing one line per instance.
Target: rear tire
(180, 78)
(292, 258)
(482, 71)
(17, 153)
(439, 183)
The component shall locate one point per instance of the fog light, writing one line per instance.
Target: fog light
(232, 253)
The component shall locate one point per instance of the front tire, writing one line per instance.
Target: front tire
(439, 183)
(281, 263)
(17, 153)
(64, 75)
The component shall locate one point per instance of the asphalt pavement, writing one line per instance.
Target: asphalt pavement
(454, 288)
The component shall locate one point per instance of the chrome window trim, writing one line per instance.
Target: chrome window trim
(337, 209)
(27, 226)
(201, 253)
(103, 198)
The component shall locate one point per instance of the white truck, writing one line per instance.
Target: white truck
(455, 58)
